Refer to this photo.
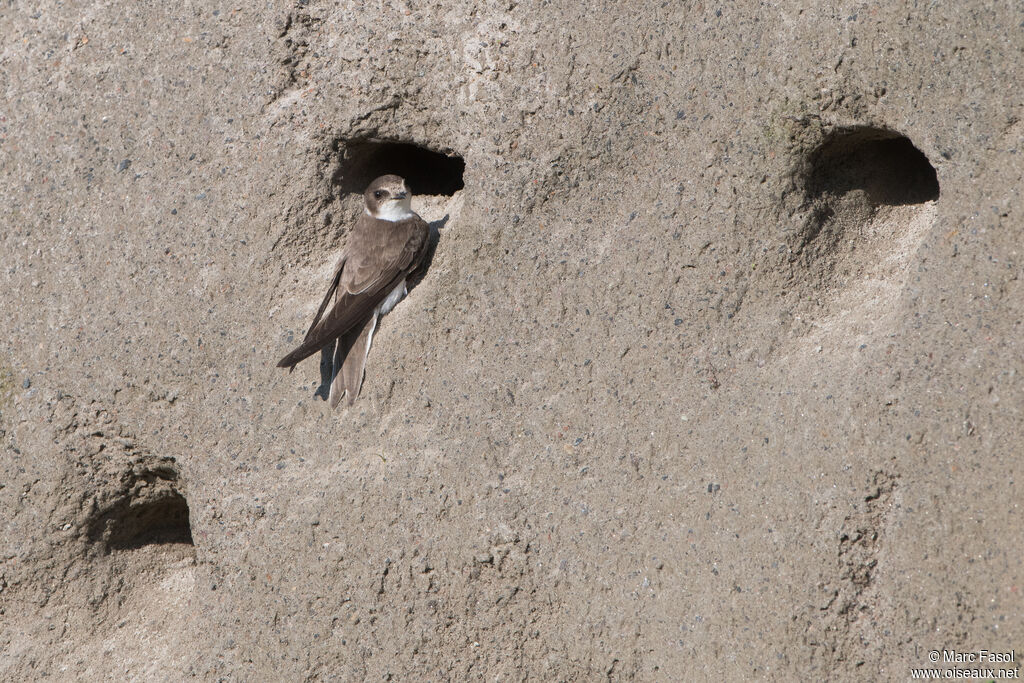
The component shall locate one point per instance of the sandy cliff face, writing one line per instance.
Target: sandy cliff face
(714, 371)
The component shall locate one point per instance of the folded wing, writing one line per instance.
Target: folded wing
(369, 270)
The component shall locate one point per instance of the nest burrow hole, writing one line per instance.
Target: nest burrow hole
(151, 511)
(883, 164)
(426, 171)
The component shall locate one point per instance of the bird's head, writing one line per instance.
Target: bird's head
(387, 198)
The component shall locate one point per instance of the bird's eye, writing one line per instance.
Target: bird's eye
(378, 194)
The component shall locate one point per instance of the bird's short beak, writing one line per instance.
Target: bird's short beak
(402, 195)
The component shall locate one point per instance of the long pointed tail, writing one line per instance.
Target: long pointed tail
(350, 362)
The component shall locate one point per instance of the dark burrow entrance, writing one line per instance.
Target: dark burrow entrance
(148, 509)
(426, 172)
(883, 164)
(866, 195)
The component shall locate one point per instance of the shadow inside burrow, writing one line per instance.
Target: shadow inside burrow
(148, 509)
(427, 172)
(883, 164)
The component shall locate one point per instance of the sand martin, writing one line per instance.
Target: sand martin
(386, 244)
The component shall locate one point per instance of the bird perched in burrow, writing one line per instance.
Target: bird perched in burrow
(386, 245)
